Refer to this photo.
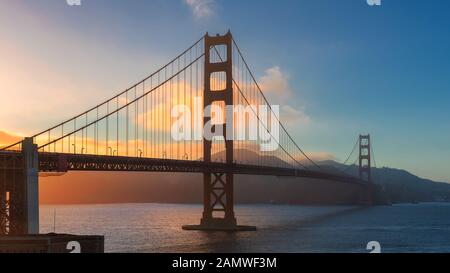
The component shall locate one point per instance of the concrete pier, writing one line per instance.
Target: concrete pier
(31, 176)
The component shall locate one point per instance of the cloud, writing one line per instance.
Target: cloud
(275, 84)
(201, 8)
(291, 115)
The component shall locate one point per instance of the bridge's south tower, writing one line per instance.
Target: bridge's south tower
(218, 201)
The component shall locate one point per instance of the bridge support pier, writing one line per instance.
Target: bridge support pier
(366, 195)
(218, 199)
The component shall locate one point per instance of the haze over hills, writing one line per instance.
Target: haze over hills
(400, 185)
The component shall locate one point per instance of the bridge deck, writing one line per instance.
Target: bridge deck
(56, 162)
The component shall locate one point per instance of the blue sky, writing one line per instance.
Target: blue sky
(351, 68)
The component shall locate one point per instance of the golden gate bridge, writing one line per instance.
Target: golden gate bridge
(131, 132)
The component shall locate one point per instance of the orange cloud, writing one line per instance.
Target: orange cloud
(275, 84)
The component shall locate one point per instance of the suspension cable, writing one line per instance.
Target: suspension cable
(267, 102)
(111, 99)
(124, 106)
(351, 153)
(259, 119)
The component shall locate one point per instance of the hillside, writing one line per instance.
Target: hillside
(400, 186)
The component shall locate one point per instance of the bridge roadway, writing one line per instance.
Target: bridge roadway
(61, 162)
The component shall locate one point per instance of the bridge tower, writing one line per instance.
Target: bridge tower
(218, 192)
(19, 194)
(365, 168)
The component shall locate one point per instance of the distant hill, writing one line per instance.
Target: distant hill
(400, 186)
(246, 156)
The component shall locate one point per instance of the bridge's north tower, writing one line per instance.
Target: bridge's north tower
(364, 158)
(365, 168)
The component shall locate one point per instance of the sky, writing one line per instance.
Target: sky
(345, 67)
